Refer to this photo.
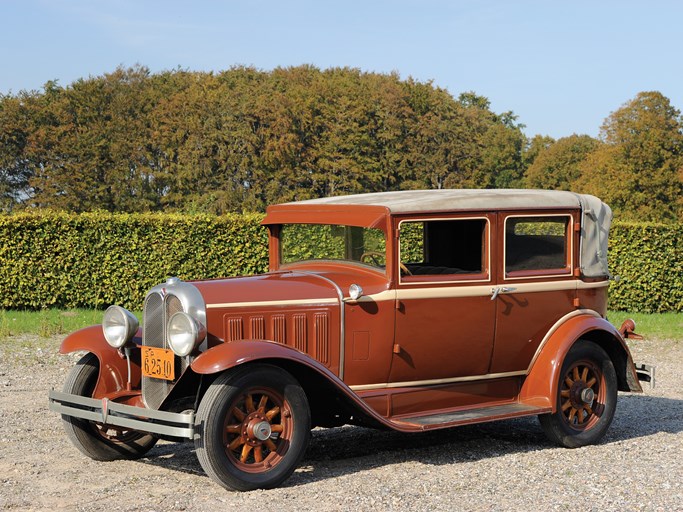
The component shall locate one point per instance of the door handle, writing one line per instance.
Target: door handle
(501, 289)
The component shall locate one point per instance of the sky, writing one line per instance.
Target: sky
(561, 67)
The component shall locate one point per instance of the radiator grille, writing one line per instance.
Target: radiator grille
(157, 311)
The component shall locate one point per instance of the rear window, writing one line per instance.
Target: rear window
(536, 244)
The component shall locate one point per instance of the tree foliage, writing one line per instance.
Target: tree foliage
(639, 168)
(241, 139)
(557, 167)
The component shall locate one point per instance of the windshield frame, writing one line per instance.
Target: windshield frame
(347, 227)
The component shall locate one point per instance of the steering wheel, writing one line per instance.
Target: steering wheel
(373, 255)
(404, 269)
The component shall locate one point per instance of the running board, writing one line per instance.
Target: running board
(469, 416)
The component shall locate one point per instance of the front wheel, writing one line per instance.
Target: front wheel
(97, 441)
(586, 397)
(252, 428)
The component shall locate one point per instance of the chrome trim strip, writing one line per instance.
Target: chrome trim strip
(432, 382)
(266, 303)
(120, 415)
(555, 327)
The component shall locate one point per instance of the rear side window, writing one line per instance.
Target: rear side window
(536, 244)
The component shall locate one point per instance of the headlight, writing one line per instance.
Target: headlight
(119, 326)
(184, 333)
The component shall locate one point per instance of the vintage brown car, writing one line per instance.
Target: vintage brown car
(411, 311)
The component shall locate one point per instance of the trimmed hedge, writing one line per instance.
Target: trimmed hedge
(97, 259)
(65, 260)
(648, 261)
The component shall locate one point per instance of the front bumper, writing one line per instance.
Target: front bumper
(104, 411)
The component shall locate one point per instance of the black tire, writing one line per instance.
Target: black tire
(92, 439)
(586, 397)
(252, 428)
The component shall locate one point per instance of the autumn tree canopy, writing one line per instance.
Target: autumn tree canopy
(240, 139)
(243, 138)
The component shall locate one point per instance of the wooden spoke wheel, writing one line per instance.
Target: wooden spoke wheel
(258, 429)
(586, 397)
(582, 395)
(252, 427)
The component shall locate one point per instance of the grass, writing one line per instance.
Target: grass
(655, 325)
(52, 322)
(47, 322)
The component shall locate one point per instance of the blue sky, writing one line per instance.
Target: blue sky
(562, 67)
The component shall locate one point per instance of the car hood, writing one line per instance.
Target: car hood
(289, 286)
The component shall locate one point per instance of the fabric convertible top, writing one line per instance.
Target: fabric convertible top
(595, 222)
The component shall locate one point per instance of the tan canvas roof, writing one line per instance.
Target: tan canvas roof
(409, 201)
(596, 216)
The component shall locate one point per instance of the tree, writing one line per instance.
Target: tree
(638, 169)
(557, 167)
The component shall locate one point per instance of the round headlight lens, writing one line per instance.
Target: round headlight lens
(119, 326)
(184, 333)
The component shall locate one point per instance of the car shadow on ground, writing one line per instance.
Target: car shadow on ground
(338, 451)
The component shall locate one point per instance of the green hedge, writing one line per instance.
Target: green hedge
(93, 260)
(96, 259)
(648, 260)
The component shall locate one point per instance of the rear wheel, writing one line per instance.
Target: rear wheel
(252, 428)
(586, 397)
(97, 441)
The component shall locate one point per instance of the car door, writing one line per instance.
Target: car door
(536, 284)
(445, 318)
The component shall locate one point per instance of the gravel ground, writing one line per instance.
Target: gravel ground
(498, 466)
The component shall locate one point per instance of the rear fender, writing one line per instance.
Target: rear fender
(540, 386)
(113, 366)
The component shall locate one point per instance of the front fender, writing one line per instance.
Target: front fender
(228, 355)
(236, 353)
(541, 384)
(113, 366)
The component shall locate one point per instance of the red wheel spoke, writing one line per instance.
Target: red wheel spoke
(566, 405)
(564, 393)
(236, 443)
(591, 382)
(277, 428)
(234, 429)
(262, 403)
(246, 450)
(272, 413)
(588, 409)
(258, 454)
(238, 414)
(575, 374)
(572, 413)
(270, 445)
(580, 412)
(569, 382)
(249, 403)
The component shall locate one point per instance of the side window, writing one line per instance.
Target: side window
(443, 250)
(536, 245)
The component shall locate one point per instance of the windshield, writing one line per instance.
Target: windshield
(306, 242)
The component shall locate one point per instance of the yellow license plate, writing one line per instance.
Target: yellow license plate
(158, 363)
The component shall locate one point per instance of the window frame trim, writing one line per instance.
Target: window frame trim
(546, 272)
(430, 277)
